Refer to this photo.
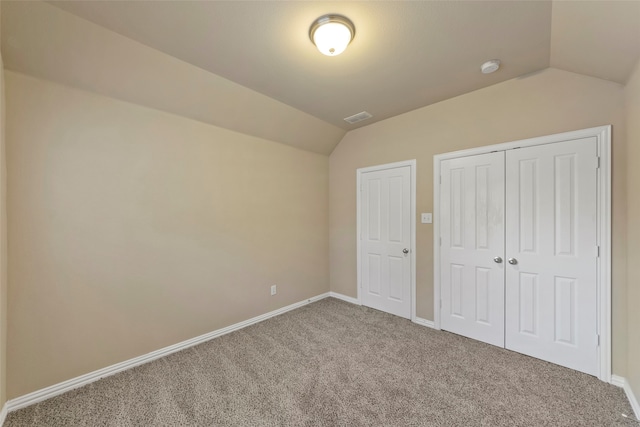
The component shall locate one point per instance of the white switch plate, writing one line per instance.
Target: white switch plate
(426, 218)
(274, 290)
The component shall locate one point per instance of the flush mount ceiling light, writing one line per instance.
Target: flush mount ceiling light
(332, 34)
(490, 66)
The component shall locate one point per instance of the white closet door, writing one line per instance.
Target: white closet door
(472, 230)
(386, 240)
(551, 291)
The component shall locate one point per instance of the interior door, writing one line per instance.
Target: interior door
(472, 247)
(551, 290)
(386, 240)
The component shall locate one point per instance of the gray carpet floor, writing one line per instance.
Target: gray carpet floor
(331, 363)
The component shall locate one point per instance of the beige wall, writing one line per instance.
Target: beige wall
(3, 245)
(543, 103)
(632, 95)
(131, 229)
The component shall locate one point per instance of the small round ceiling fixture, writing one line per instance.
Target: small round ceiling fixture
(490, 66)
(332, 34)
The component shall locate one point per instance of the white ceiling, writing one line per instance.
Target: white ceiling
(405, 54)
(596, 38)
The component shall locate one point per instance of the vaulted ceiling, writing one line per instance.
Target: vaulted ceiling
(405, 55)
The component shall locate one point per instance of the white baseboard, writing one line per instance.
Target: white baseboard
(622, 382)
(425, 322)
(3, 414)
(352, 300)
(63, 387)
(618, 381)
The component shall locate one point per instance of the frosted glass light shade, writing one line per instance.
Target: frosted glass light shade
(332, 34)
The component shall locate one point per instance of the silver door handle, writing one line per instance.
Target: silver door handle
(513, 261)
(405, 251)
(497, 259)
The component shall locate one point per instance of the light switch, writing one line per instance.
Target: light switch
(426, 218)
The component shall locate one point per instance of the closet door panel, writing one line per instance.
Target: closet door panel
(472, 230)
(551, 303)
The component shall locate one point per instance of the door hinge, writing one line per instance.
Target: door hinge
(598, 339)
(598, 162)
(440, 241)
(440, 179)
(440, 303)
(597, 251)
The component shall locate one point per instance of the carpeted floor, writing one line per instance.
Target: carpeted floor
(335, 364)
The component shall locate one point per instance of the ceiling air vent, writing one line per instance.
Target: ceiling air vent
(358, 117)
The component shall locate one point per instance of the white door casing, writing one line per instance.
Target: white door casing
(551, 290)
(386, 238)
(472, 247)
(570, 211)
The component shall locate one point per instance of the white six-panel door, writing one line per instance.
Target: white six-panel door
(472, 225)
(533, 209)
(551, 290)
(385, 226)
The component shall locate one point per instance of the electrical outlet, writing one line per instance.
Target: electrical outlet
(274, 290)
(426, 218)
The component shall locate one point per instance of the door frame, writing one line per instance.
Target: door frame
(603, 275)
(412, 250)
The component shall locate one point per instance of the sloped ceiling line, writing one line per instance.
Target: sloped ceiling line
(250, 66)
